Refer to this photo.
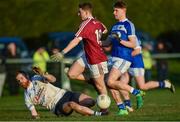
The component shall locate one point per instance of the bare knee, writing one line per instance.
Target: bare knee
(72, 104)
(143, 87)
(110, 83)
(88, 102)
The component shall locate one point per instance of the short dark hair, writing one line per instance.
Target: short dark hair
(120, 4)
(24, 73)
(86, 6)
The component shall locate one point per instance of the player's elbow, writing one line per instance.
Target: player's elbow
(110, 83)
(52, 79)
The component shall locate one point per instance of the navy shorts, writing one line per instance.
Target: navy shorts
(68, 96)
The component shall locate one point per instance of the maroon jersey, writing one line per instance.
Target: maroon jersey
(90, 31)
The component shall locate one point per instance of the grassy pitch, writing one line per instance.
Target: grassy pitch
(158, 105)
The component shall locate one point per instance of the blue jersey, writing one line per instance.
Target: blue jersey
(137, 62)
(124, 29)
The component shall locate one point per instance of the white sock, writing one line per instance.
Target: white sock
(119, 103)
(132, 89)
(96, 113)
(167, 84)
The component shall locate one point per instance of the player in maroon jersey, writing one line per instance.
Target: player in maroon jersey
(89, 32)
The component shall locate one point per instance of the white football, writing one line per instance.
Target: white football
(103, 101)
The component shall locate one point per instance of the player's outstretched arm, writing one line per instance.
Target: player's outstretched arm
(34, 114)
(60, 55)
(57, 57)
(49, 77)
(71, 45)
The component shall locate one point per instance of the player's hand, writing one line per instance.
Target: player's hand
(37, 70)
(116, 35)
(57, 57)
(35, 117)
(136, 52)
(100, 43)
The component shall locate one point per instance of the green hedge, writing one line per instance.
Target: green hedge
(32, 18)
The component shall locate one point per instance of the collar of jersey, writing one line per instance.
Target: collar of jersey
(30, 85)
(123, 20)
(89, 18)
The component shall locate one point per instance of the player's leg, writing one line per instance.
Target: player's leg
(145, 86)
(138, 73)
(117, 98)
(100, 85)
(72, 101)
(69, 106)
(75, 71)
(86, 100)
(80, 70)
(154, 84)
(114, 83)
(127, 102)
(120, 66)
(98, 72)
(79, 102)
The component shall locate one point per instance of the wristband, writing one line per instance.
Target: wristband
(137, 47)
(62, 52)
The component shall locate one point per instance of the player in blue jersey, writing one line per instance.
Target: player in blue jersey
(137, 71)
(121, 54)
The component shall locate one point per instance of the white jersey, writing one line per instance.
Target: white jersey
(40, 92)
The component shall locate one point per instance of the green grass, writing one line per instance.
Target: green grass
(158, 105)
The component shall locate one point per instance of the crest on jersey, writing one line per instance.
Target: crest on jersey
(119, 27)
(122, 28)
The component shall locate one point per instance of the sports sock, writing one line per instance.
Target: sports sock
(135, 91)
(127, 103)
(96, 113)
(121, 106)
(161, 84)
(167, 84)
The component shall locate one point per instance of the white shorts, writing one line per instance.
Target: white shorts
(82, 61)
(136, 72)
(95, 70)
(121, 64)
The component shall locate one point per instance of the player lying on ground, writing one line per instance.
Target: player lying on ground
(38, 91)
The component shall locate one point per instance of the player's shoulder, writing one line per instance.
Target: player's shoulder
(85, 23)
(96, 21)
(36, 78)
(128, 23)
